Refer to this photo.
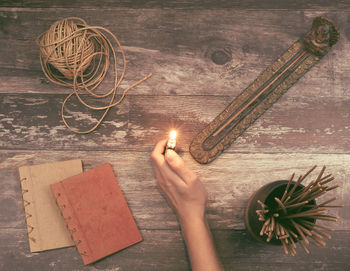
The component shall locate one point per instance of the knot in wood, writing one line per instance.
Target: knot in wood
(221, 57)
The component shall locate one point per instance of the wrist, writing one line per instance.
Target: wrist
(193, 222)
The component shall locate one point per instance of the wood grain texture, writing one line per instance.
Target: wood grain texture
(32, 121)
(183, 4)
(180, 48)
(165, 250)
(229, 180)
(202, 55)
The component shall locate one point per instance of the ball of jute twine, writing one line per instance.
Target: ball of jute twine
(74, 54)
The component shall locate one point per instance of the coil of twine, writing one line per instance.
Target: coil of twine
(74, 54)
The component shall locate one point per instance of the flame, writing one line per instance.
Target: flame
(173, 134)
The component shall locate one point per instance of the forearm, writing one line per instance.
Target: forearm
(187, 195)
(200, 245)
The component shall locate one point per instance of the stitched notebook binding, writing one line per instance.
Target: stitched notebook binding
(45, 226)
(96, 213)
(27, 211)
(72, 224)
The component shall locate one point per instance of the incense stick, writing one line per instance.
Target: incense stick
(291, 216)
(304, 247)
(285, 191)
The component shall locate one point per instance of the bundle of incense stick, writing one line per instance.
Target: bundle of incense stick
(292, 217)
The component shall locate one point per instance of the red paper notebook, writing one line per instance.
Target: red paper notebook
(96, 213)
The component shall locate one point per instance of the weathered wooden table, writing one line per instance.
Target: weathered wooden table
(202, 54)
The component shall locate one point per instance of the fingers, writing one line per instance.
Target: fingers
(164, 172)
(178, 166)
(157, 153)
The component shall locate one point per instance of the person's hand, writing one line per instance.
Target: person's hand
(185, 192)
(181, 186)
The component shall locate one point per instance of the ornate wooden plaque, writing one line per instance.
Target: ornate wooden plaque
(267, 88)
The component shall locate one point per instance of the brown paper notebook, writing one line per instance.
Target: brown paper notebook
(46, 230)
(96, 213)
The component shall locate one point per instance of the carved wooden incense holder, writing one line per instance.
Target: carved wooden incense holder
(267, 88)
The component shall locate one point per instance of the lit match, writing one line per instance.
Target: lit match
(171, 141)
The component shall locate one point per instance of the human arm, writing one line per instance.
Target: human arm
(187, 195)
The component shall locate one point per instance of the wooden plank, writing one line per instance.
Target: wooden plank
(164, 250)
(202, 54)
(229, 180)
(151, 254)
(214, 52)
(311, 125)
(248, 4)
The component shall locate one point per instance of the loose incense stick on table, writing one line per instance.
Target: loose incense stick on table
(293, 220)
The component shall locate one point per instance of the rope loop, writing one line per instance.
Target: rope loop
(76, 55)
